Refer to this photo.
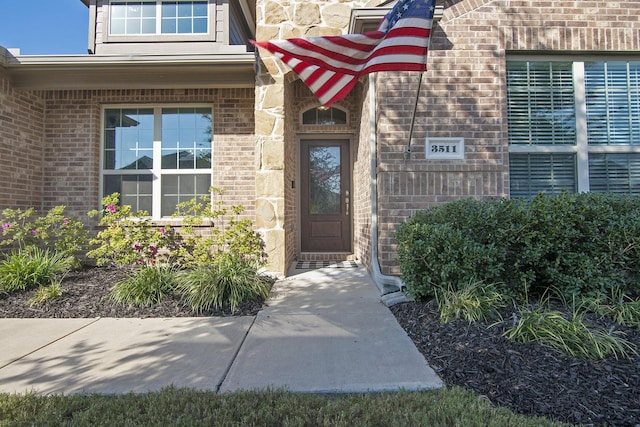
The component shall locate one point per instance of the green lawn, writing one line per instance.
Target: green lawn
(446, 407)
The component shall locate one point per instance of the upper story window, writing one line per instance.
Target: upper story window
(150, 17)
(574, 125)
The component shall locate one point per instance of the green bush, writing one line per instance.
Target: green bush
(437, 256)
(210, 229)
(127, 238)
(228, 281)
(571, 242)
(147, 286)
(54, 231)
(579, 244)
(30, 268)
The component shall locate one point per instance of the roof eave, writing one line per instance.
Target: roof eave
(122, 72)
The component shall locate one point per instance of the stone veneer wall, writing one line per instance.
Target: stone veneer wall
(63, 128)
(463, 95)
(281, 20)
(21, 142)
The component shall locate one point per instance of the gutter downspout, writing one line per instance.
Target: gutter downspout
(390, 287)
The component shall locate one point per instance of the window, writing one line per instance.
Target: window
(574, 126)
(239, 32)
(324, 116)
(149, 17)
(157, 157)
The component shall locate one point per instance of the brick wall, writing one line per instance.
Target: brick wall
(463, 95)
(21, 139)
(72, 142)
(362, 183)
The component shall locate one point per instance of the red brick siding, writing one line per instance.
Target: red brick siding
(72, 142)
(21, 139)
(362, 185)
(463, 95)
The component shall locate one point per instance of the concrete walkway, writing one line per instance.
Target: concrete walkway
(322, 331)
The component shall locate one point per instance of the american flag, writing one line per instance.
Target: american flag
(330, 66)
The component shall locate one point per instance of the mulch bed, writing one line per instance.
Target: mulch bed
(530, 379)
(85, 295)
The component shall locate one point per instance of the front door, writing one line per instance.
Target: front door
(325, 196)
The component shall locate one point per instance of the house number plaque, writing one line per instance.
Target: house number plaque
(444, 148)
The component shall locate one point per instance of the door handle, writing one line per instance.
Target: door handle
(346, 201)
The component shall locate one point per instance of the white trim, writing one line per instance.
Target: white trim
(156, 172)
(159, 36)
(582, 142)
(581, 148)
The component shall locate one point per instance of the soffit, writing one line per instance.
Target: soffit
(125, 72)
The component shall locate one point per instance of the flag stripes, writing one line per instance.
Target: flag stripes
(330, 66)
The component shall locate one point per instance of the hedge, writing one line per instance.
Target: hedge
(569, 243)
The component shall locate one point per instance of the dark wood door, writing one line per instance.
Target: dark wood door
(325, 196)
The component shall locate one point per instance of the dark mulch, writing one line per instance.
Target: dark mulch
(528, 378)
(85, 295)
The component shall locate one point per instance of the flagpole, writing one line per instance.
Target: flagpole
(407, 151)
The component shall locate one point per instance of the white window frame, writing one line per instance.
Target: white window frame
(156, 171)
(209, 35)
(581, 149)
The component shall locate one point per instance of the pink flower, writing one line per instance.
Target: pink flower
(65, 222)
(162, 231)
(111, 208)
(137, 247)
(34, 232)
(153, 250)
(6, 226)
(140, 261)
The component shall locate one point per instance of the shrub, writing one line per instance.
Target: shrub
(579, 244)
(228, 281)
(569, 242)
(127, 237)
(54, 231)
(146, 286)
(210, 229)
(30, 268)
(439, 256)
(571, 336)
(474, 301)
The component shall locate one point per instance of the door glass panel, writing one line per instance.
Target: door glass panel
(324, 177)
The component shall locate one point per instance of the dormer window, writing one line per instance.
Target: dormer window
(150, 17)
(171, 27)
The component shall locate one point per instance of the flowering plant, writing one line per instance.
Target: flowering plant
(211, 227)
(127, 237)
(54, 231)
